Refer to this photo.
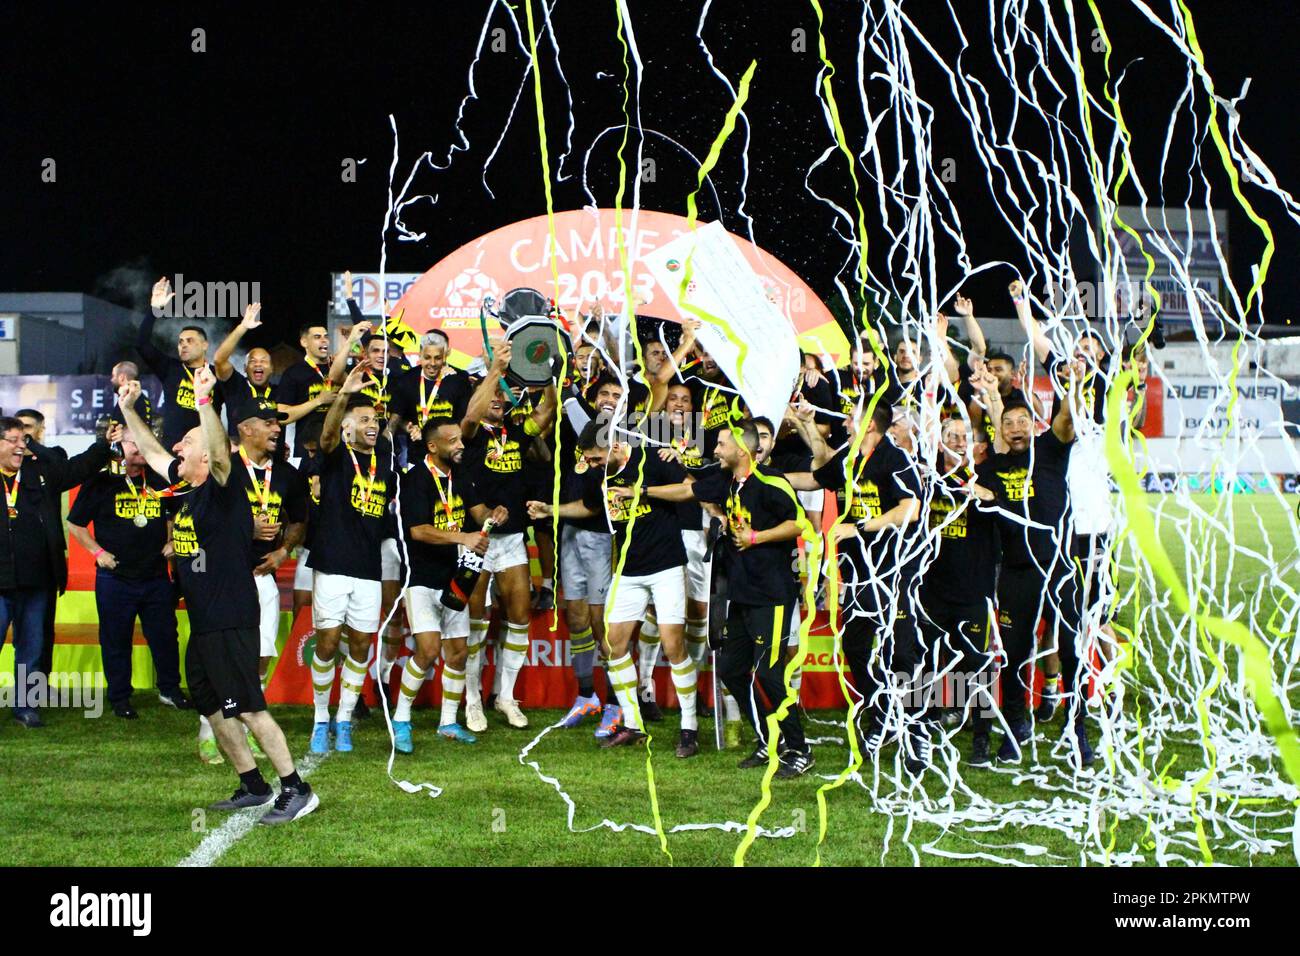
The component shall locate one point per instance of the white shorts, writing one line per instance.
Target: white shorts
(585, 565)
(391, 559)
(666, 590)
(812, 500)
(302, 573)
(427, 614)
(505, 551)
(697, 569)
(268, 599)
(337, 599)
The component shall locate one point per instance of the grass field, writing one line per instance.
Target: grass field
(112, 792)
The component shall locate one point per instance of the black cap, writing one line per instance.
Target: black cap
(258, 407)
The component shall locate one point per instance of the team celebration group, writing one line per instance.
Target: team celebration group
(968, 548)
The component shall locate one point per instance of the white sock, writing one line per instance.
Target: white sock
(731, 707)
(474, 662)
(322, 682)
(647, 657)
(622, 675)
(796, 681)
(354, 678)
(453, 689)
(684, 682)
(548, 584)
(412, 680)
(496, 661)
(697, 640)
(205, 729)
(512, 659)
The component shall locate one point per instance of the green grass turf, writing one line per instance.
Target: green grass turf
(112, 792)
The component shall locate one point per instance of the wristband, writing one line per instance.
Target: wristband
(205, 400)
(96, 554)
(753, 537)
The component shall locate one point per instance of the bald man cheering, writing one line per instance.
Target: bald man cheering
(254, 384)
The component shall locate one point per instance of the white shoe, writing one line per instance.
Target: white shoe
(475, 720)
(514, 716)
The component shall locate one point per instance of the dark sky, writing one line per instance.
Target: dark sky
(225, 165)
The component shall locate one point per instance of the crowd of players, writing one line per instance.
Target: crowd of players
(686, 525)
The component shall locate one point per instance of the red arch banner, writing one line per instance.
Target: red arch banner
(584, 268)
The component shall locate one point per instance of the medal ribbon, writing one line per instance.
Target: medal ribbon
(444, 498)
(424, 406)
(11, 493)
(374, 467)
(264, 493)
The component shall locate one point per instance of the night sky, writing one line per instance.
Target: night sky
(225, 165)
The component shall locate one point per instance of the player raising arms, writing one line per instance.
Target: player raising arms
(212, 535)
(356, 483)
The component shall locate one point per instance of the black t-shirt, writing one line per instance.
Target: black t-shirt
(286, 502)
(301, 382)
(886, 478)
(759, 575)
(309, 468)
(712, 404)
(573, 476)
(418, 399)
(1041, 489)
(110, 502)
(180, 413)
(656, 543)
(378, 386)
(212, 535)
(494, 462)
(237, 391)
(853, 391)
(1093, 387)
(353, 511)
(696, 459)
(964, 570)
(439, 503)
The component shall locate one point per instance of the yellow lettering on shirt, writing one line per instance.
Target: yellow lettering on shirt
(940, 510)
(457, 521)
(273, 504)
(372, 507)
(127, 505)
(1019, 486)
(866, 502)
(620, 509)
(504, 459)
(185, 540)
(185, 394)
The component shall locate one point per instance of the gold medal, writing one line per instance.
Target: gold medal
(580, 466)
(139, 520)
(264, 516)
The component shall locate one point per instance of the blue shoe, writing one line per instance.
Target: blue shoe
(582, 707)
(609, 721)
(320, 738)
(1009, 752)
(402, 737)
(343, 736)
(1086, 755)
(457, 732)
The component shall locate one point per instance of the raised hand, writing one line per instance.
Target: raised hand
(161, 294)
(356, 378)
(963, 306)
(941, 325)
(358, 330)
(347, 285)
(128, 393)
(116, 432)
(252, 316)
(1017, 289)
(204, 382)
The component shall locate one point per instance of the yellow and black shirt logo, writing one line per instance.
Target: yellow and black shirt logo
(185, 540)
(941, 509)
(441, 522)
(1017, 483)
(127, 505)
(371, 506)
(866, 501)
(273, 504)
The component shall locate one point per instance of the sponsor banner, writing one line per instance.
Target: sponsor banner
(371, 289)
(1168, 483)
(585, 267)
(71, 404)
(1196, 404)
(722, 284)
